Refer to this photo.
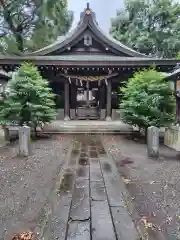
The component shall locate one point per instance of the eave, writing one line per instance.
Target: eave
(87, 61)
(173, 74)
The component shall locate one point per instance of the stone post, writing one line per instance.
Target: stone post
(153, 142)
(66, 101)
(108, 102)
(24, 141)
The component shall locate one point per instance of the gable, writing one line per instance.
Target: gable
(87, 44)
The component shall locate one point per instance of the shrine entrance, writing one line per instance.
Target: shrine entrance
(88, 97)
(87, 107)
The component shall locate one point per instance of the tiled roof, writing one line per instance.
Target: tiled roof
(88, 61)
(81, 58)
(87, 21)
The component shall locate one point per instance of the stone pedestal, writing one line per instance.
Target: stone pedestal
(108, 118)
(172, 137)
(115, 114)
(73, 114)
(24, 141)
(60, 114)
(102, 114)
(67, 118)
(153, 142)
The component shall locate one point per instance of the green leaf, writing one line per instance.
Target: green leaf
(147, 100)
(30, 100)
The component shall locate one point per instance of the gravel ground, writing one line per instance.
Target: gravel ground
(154, 185)
(25, 183)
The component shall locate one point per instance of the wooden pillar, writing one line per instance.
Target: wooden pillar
(73, 95)
(66, 101)
(73, 102)
(108, 100)
(102, 95)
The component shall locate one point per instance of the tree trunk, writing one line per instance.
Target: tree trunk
(35, 131)
(19, 41)
(146, 133)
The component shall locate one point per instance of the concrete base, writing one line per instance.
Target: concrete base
(102, 114)
(60, 114)
(67, 118)
(115, 114)
(108, 118)
(73, 114)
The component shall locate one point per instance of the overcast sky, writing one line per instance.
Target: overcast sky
(104, 9)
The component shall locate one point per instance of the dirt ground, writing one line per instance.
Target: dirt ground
(153, 184)
(26, 182)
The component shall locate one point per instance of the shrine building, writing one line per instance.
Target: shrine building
(86, 69)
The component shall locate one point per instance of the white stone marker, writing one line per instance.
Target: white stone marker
(153, 142)
(24, 141)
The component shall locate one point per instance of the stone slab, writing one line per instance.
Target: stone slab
(98, 192)
(95, 171)
(113, 184)
(79, 231)
(80, 209)
(115, 196)
(123, 223)
(60, 217)
(83, 172)
(102, 226)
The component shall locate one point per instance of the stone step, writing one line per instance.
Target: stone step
(88, 126)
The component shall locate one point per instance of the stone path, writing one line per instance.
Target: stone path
(88, 199)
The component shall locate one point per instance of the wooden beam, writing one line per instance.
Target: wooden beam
(88, 78)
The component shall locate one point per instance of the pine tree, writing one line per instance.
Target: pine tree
(29, 99)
